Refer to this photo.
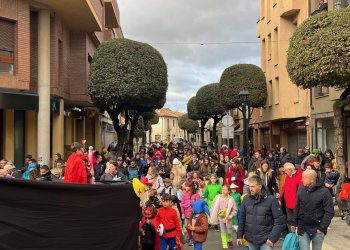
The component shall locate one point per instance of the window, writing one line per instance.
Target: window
(7, 44)
(269, 46)
(263, 55)
(270, 93)
(341, 4)
(277, 90)
(173, 123)
(275, 46)
(325, 133)
(321, 91)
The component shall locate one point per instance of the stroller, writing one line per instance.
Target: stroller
(344, 201)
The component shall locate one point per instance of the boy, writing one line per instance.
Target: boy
(199, 223)
(167, 223)
(168, 187)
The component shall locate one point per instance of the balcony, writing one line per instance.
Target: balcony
(112, 14)
(82, 15)
(290, 8)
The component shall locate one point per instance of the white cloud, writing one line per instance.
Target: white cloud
(191, 66)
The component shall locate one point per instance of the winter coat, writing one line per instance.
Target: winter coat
(285, 157)
(158, 184)
(211, 190)
(99, 169)
(148, 232)
(230, 213)
(200, 227)
(219, 170)
(290, 188)
(254, 164)
(239, 176)
(273, 165)
(186, 201)
(261, 219)
(193, 166)
(314, 209)
(332, 177)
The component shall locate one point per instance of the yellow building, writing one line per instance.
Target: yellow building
(168, 127)
(286, 116)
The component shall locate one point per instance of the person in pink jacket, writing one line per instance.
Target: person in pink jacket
(189, 196)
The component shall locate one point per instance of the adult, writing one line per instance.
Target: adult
(289, 190)
(313, 212)
(164, 169)
(298, 159)
(261, 219)
(285, 156)
(205, 168)
(99, 167)
(255, 162)
(194, 164)
(46, 175)
(268, 178)
(235, 174)
(112, 172)
(76, 171)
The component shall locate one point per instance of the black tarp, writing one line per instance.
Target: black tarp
(51, 215)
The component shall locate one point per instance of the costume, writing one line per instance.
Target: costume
(211, 190)
(75, 169)
(237, 198)
(199, 221)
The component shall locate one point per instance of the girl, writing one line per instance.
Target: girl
(222, 212)
(205, 169)
(199, 223)
(235, 174)
(212, 189)
(189, 196)
(237, 198)
(197, 178)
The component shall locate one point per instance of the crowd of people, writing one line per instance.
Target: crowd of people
(191, 190)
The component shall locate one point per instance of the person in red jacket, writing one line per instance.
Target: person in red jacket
(289, 190)
(235, 174)
(76, 171)
(168, 224)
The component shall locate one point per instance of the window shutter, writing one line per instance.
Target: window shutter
(7, 38)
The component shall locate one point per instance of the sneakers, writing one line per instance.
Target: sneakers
(235, 227)
(216, 227)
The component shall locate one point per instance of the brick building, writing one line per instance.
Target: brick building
(46, 47)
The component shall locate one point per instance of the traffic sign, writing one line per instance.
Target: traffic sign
(227, 132)
(227, 120)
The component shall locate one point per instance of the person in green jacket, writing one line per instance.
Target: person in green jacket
(212, 189)
(237, 197)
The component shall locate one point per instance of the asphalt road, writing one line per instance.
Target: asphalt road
(337, 238)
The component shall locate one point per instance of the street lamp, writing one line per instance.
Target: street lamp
(243, 96)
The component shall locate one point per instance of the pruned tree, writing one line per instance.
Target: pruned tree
(195, 115)
(243, 77)
(191, 126)
(147, 124)
(208, 104)
(127, 75)
(319, 54)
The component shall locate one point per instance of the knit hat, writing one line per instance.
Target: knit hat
(315, 151)
(200, 206)
(176, 162)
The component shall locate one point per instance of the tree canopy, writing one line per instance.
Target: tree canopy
(191, 126)
(181, 121)
(192, 109)
(319, 51)
(208, 100)
(125, 74)
(243, 77)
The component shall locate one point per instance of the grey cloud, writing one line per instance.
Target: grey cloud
(191, 66)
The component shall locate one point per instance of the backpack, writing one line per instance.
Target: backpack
(291, 242)
(133, 173)
(345, 191)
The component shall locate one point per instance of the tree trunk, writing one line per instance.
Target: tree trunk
(121, 139)
(132, 129)
(216, 121)
(338, 108)
(203, 122)
(150, 136)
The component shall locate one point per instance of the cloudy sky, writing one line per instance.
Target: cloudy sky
(197, 38)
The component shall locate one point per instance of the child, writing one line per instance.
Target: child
(167, 223)
(332, 177)
(237, 198)
(212, 189)
(190, 195)
(168, 187)
(147, 229)
(222, 212)
(153, 199)
(199, 223)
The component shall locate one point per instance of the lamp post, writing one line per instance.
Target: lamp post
(243, 96)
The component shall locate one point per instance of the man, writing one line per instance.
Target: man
(112, 172)
(313, 212)
(285, 156)
(46, 175)
(261, 219)
(76, 171)
(99, 168)
(289, 190)
(164, 169)
(255, 162)
(298, 159)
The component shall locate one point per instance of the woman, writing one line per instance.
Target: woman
(222, 212)
(235, 174)
(268, 178)
(156, 179)
(205, 169)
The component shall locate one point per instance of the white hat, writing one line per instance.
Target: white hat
(176, 162)
(233, 186)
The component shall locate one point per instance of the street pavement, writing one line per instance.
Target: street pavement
(337, 238)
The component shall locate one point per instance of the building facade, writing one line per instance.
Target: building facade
(46, 48)
(168, 126)
(286, 116)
